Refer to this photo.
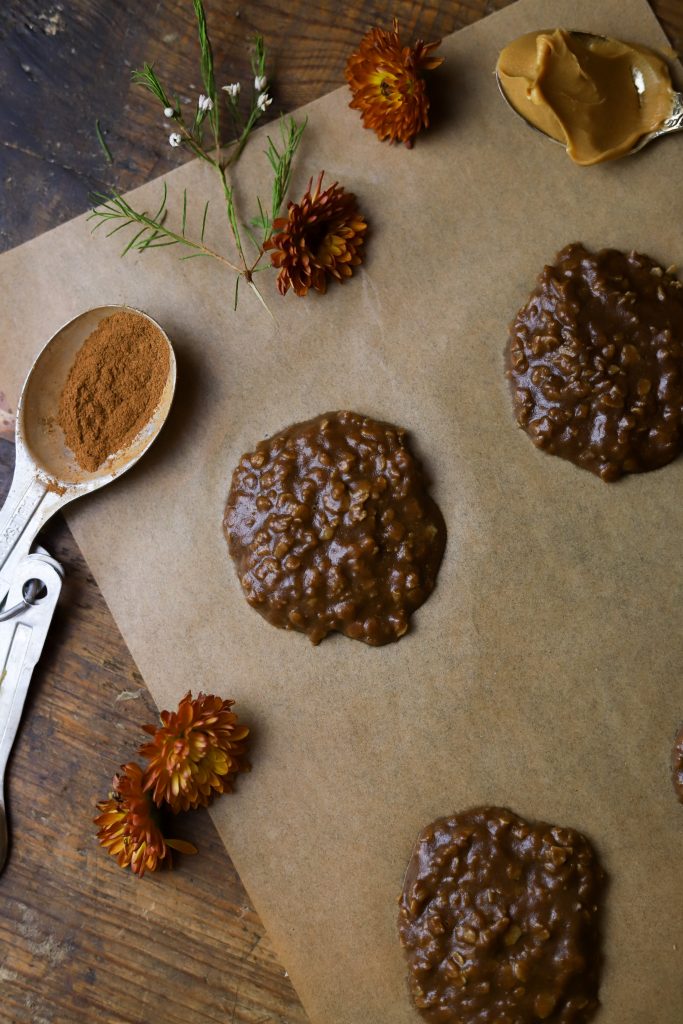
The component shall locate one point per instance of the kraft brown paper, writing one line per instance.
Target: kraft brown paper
(545, 672)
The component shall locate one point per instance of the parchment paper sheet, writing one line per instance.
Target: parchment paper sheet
(545, 671)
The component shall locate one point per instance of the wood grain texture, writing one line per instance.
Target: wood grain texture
(81, 940)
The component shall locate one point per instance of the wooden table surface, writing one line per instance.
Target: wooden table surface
(81, 940)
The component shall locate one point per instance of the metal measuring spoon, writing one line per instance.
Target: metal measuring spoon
(46, 474)
(673, 123)
(47, 477)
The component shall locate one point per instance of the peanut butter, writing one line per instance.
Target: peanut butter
(598, 96)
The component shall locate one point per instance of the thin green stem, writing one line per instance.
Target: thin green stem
(216, 131)
(103, 145)
(243, 139)
(195, 146)
(236, 116)
(230, 207)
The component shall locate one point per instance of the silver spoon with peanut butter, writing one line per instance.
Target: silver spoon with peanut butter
(601, 98)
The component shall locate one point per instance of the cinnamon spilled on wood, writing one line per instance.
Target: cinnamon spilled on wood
(114, 386)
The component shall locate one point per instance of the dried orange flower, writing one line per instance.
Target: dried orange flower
(196, 753)
(320, 237)
(387, 84)
(128, 827)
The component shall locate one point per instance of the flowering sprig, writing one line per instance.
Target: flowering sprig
(192, 758)
(202, 136)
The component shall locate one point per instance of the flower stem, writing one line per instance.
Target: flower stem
(232, 218)
(196, 148)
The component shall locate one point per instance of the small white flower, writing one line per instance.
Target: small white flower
(260, 82)
(263, 101)
(233, 90)
(175, 139)
(169, 112)
(205, 102)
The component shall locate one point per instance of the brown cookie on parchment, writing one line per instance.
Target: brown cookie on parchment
(499, 920)
(331, 528)
(595, 358)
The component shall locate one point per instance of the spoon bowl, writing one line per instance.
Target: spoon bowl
(47, 475)
(37, 428)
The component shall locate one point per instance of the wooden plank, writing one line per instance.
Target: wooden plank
(80, 939)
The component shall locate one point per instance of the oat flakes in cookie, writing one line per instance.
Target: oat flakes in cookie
(595, 358)
(331, 528)
(499, 921)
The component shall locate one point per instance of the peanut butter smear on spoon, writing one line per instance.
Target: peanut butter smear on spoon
(599, 97)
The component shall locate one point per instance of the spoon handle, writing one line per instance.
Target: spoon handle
(29, 504)
(674, 123)
(21, 642)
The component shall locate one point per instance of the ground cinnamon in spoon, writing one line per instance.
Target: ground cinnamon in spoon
(113, 387)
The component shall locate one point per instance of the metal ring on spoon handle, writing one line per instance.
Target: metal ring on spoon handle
(21, 643)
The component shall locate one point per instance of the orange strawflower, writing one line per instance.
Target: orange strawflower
(128, 826)
(196, 753)
(321, 237)
(387, 84)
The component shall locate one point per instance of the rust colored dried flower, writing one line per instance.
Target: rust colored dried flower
(387, 84)
(321, 237)
(128, 826)
(196, 752)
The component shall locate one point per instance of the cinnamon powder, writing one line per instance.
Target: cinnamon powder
(114, 386)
